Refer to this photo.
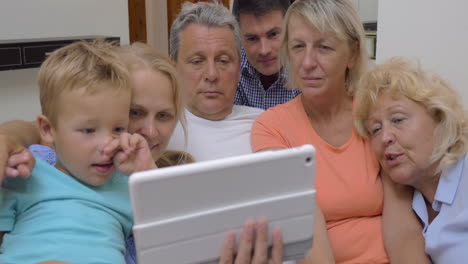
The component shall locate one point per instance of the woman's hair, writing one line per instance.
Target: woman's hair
(400, 77)
(174, 157)
(338, 17)
(141, 56)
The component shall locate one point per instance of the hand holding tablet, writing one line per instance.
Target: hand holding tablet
(183, 213)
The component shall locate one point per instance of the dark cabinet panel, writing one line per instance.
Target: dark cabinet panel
(30, 53)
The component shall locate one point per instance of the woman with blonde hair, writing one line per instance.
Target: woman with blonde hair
(325, 53)
(419, 131)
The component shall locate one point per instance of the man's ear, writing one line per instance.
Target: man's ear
(45, 130)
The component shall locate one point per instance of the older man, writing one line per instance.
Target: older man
(263, 82)
(205, 46)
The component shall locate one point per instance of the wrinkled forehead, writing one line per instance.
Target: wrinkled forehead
(203, 39)
(387, 100)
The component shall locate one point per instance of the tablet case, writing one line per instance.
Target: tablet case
(183, 213)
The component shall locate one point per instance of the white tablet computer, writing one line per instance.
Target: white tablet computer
(183, 213)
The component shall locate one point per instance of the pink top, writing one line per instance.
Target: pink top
(349, 189)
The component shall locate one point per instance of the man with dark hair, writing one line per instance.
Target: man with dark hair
(263, 82)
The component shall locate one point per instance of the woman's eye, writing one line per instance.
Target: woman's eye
(297, 46)
(397, 120)
(164, 116)
(374, 129)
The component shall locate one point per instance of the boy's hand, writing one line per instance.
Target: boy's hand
(133, 154)
(15, 160)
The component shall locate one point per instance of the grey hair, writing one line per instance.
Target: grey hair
(203, 13)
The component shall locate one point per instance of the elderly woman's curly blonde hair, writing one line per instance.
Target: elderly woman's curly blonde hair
(400, 77)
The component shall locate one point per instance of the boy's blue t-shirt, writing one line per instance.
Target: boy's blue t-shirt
(53, 216)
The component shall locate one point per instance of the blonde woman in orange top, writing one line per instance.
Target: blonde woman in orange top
(324, 51)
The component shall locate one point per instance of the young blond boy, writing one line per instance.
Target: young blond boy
(78, 211)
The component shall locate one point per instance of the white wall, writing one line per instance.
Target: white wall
(21, 19)
(434, 31)
(156, 25)
(367, 9)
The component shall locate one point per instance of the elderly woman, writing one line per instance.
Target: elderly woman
(419, 132)
(324, 49)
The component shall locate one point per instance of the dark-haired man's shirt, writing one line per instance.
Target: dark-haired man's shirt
(250, 91)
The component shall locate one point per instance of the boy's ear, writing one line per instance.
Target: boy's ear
(45, 130)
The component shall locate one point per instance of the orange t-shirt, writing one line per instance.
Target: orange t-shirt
(349, 189)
